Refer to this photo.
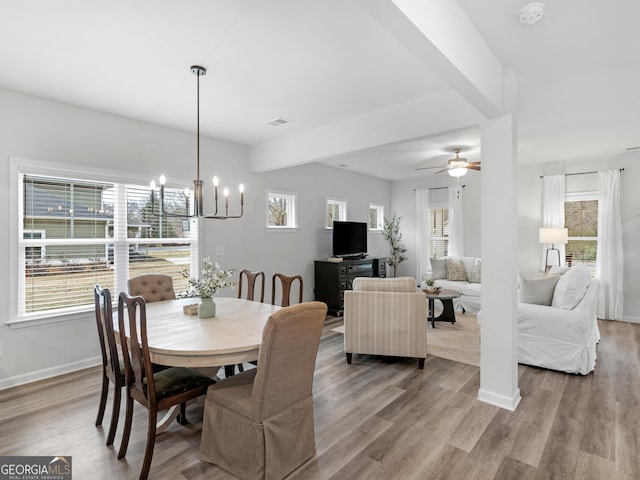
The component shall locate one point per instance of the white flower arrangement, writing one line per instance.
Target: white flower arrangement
(213, 279)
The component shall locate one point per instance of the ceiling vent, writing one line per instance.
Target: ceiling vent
(531, 13)
(276, 122)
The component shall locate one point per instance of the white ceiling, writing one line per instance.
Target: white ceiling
(319, 62)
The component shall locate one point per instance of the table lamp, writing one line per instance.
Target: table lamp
(553, 236)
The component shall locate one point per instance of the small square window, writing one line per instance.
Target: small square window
(336, 211)
(281, 210)
(376, 217)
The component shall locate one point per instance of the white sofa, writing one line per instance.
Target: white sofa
(556, 336)
(469, 288)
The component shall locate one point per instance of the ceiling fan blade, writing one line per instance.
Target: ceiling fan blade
(429, 168)
(442, 171)
(474, 167)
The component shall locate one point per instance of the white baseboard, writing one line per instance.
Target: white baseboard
(48, 372)
(502, 401)
(631, 319)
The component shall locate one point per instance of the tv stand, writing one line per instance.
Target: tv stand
(332, 279)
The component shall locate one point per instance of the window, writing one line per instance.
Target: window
(376, 217)
(281, 210)
(76, 233)
(336, 210)
(439, 227)
(581, 219)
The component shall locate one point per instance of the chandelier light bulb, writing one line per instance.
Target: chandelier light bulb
(152, 185)
(215, 181)
(241, 188)
(187, 192)
(163, 179)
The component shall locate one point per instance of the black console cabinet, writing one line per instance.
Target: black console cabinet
(333, 278)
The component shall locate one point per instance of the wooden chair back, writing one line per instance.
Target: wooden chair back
(252, 277)
(111, 371)
(286, 283)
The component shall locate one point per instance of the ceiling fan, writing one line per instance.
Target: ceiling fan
(456, 167)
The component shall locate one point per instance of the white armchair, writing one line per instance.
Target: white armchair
(557, 336)
(385, 316)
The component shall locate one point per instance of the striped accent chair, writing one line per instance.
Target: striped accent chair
(385, 316)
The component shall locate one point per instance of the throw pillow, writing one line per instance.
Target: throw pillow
(438, 268)
(538, 291)
(571, 287)
(476, 272)
(455, 270)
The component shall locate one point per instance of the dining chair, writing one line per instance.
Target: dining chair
(259, 424)
(153, 287)
(112, 366)
(286, 282)
(154, 391)
(252, 277)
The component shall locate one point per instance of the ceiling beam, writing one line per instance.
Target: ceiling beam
(440, 34)
(440, 112)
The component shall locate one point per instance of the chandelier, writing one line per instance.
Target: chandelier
(198, 210)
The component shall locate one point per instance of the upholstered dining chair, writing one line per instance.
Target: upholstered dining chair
(252, 278)
(154, 391)
(259, 424)
(286, 282)
(153, 287)
(112, 366)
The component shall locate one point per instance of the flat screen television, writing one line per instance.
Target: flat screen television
(349, 239)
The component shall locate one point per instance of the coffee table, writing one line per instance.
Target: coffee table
(446, 297)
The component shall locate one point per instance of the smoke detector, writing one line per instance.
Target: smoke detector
(531, 13)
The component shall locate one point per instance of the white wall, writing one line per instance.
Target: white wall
(47, 131)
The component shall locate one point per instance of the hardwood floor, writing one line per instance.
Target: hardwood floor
(379, 419)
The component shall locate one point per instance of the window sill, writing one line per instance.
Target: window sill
(36, 320)
(281, 229)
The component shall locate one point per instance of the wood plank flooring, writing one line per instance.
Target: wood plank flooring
(379, 419)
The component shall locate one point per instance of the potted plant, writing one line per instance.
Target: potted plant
(212, 280)
(391, 233)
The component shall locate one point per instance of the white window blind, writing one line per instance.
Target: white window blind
(76, 233)
(439, 224)
(581, 220)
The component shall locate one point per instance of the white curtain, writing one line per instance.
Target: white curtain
(553, 197)
(609, 256)
(423, 234)
(456, 233)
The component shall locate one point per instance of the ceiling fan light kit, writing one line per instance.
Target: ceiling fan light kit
(458, 171)
(456, 167)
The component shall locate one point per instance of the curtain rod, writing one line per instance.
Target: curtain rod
(440, 188)
(581, 173)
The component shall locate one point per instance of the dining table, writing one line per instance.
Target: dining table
(178, 339)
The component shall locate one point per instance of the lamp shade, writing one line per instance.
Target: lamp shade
(554, 235)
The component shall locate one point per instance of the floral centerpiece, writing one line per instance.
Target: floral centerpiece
(212, 280)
